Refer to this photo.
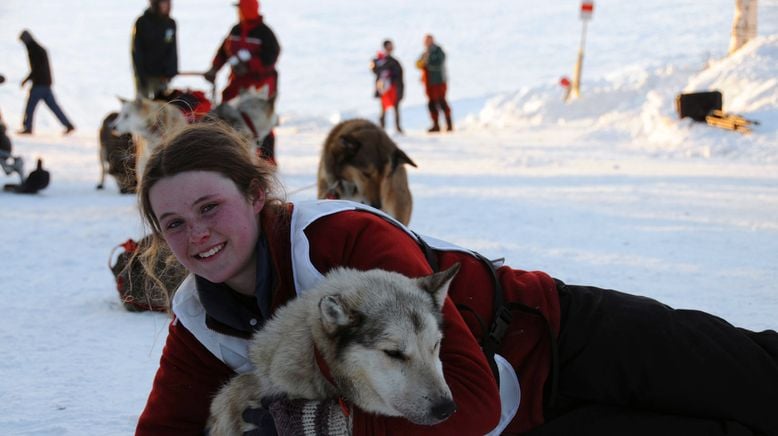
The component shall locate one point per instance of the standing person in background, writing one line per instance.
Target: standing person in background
(154, 49)
(40, 76)
(389, 86)
(251, 49)
(432, 65)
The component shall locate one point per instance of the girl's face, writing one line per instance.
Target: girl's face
(210, 225)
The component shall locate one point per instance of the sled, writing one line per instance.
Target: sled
(721, 119)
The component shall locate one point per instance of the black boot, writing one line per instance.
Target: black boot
(434, 116)
(449, 125)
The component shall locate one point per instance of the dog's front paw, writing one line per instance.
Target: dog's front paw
(257, 421)
(229, 407)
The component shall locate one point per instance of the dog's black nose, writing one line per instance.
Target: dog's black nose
(444, 409)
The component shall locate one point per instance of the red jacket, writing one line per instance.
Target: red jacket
(259, 40)
(189, 375)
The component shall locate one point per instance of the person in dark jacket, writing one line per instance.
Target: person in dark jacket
(251, 49)
(154, 49)
(389, 86)
(40, 76)
(433, 67)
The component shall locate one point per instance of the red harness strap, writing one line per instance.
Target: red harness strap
(325, 371)
(249, 124)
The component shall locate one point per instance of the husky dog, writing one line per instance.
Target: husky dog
(252, 113)
(117, 156)
(148, 120)
(379, 334)
(359, 162)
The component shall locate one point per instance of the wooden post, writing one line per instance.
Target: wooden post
(743, 24)
(587, 8)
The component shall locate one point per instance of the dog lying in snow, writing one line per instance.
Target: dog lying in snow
(379, 334)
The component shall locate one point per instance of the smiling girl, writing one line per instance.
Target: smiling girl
(588, 360)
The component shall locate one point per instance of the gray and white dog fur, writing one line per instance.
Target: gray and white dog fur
(148, 121)
(379, 333)
(254, 105)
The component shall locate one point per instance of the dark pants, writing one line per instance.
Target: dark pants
(382, 118)
(437, 102)
(630, 365)
(38, 93)
(151, 87)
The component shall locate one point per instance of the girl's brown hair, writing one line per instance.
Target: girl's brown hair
(210, 146)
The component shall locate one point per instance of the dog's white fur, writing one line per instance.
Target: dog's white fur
(148, 120)
(379, 333)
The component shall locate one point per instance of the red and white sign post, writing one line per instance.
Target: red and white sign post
(587, 9)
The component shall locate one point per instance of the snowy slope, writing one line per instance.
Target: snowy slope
(611, 189)
(636, 106)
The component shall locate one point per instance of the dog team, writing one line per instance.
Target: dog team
(359, 161)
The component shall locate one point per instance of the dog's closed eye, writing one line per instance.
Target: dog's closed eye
(395, 354)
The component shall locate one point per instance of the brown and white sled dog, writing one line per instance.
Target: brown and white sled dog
(117, 156)
(359, 162)
(148, 120)
(379, 334)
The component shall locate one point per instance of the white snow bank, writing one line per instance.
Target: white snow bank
(636, 106)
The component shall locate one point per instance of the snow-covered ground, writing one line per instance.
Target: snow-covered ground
(610, 190)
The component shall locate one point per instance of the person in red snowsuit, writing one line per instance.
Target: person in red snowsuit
(251, 49)
(588, 360)
(389, 84)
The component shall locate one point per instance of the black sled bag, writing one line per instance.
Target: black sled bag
(697, 105)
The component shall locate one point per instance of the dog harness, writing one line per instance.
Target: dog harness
(233, 351)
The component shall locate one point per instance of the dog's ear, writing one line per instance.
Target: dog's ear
(122, 100)
(437, 284)
(335, 314)
(399, 157)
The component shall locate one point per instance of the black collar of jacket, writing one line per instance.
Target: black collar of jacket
(225, 312)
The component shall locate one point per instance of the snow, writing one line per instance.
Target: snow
(610, 190)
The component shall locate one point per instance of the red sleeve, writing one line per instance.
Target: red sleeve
(362, 240)
(220, 58)
(187, 378)
(255, 65)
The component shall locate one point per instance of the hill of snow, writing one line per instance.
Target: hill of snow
(636, 107)
(610, 190)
